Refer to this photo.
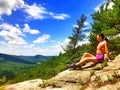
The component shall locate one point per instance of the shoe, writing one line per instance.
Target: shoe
(71, 65)
(74, 67)
(79, 67)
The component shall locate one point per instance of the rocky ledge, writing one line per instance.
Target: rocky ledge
(91, 77)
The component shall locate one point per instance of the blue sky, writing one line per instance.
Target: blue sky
(30, 27)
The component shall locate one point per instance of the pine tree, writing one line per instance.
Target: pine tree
(77, 35)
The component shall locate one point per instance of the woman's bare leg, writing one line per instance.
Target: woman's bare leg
(87, 59)
(86, 55)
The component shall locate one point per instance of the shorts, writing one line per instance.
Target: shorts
(100, 57)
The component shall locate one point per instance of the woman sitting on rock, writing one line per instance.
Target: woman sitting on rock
(101, 48)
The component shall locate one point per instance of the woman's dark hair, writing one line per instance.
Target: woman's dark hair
(103, 37)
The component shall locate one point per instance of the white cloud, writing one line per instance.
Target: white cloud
(2, 43)
(97, 8)
(11, 49)
(26, 49)
(0, 18)
(110, 6)
(38, 12)
(86, 23)
(12, 38)
(32, 49)
(64, 42)
(35, 11)
(54, 49)
(87, 34)
(42, 39)
(11, 29)
(59, 16)
(11, 34)
(75, 26)
(82, 42)
(6, 6)
(31, 31)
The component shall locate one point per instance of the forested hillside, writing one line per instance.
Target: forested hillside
(106, 20)
(12, 66)
(11, 58)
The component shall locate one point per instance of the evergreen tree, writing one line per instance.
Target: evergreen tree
(77, 35)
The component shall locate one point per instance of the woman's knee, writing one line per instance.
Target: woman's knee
(86, 54)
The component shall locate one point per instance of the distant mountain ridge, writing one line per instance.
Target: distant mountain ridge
(12, 58)
(23, 59)
(35, 59)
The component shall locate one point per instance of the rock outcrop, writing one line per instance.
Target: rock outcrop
(91, 77)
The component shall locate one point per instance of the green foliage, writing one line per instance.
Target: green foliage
(107, 21)
(110, 32)
(114, 45)
(7, 74)
(14, 67)
(11, 69)
(3, 80)
(104, 64)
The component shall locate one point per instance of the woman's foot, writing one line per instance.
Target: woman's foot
(74, 67)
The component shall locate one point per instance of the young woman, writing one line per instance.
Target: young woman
(101, 48)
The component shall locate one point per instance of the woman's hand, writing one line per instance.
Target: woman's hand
(110, 60)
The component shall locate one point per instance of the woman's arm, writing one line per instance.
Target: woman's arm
(107, 51)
